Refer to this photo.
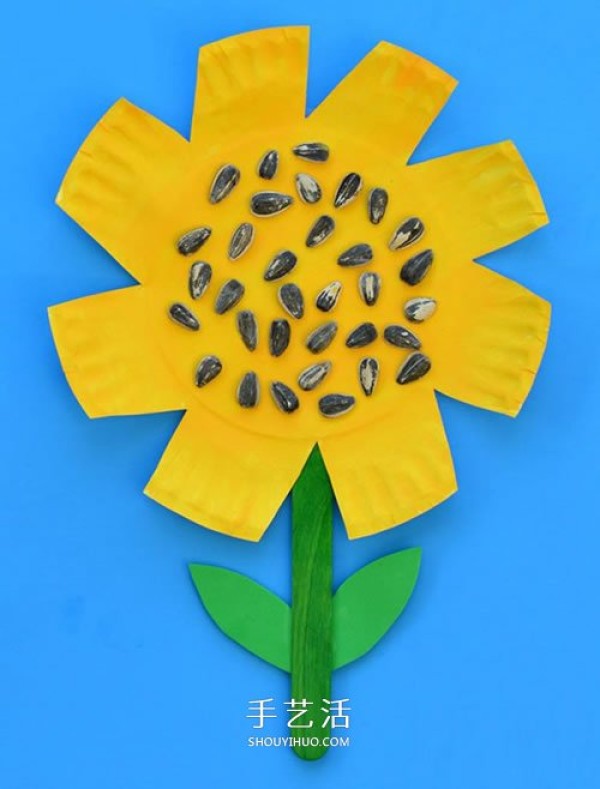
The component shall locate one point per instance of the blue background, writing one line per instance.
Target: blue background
(111, 674)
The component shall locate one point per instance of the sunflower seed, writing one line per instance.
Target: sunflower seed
(291, 299)
(357, 255)
(364, 334)
(377, 203)
(321, 337)
(336, 404)
(199, 279)
(267, 167)
(348, 190)
(369, 287)
(184, 317)
(308, 188)
(420, 309)
(248, 393)
(415, 269)
(269, 203)
(284, 397)
(320, 231)
(368, 373)
(229, 295)
(329, 296)
(407, 233)
(280, 265)
(193, 240)
(313, 151)
(401, 337)
(248, 328)
(241, 240)
(279, 336)
(313, 375)
(226, 178)
(207, 370)
(415, 366)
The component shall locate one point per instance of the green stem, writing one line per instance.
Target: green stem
(312, 555)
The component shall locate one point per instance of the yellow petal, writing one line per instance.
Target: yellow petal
(250, 83)
(389, 100)
(109, 356)
(115, 187)
(225, 478)
(491, 335)
(395, 469)
(482, 199)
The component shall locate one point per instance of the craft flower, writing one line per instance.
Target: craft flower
(262, 326)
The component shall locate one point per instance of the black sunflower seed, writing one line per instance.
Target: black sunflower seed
(284, 397)
(407, 233)
(377, 204)
(248, 393)
(184, 317)
(199, 278)
(241, 240)
(415, 366)
(357, 255)
(368, 373)
(226, 179)
(320, 231)
(207, 370)
(313, 151)
(267, 167)
(401, 337)
(348, 190)
(291, 299)
(281, 264)
(248, 328)
(312, 376)
(336, 404)
(193, 240)
(279, 336)
(415, 269)
(364, 334)
(321, 337)
(229, 295)
(269, 203)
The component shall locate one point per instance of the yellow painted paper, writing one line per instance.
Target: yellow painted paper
(137, 186)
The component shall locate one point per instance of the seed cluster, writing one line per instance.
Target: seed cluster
(290, 296)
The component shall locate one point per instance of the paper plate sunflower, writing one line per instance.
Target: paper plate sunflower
(303, 294)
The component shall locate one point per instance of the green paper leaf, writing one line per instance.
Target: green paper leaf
(368, 603)
(245, 611)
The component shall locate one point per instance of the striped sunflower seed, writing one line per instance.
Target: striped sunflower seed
(368, 374)
(241, 240)
(420, 309)
(267, 167)
(336, 404)
(320, 231)
(348, 190)
(229, 295)
(191, 241)
(199, 278)
(225, 180)
(308, 188)
(285, 398)
(312, 376)
(407, 233)
(248, 392)
(248, 328)
(183, 316)
(328, 297)
(369, 287)
(415, 366)
(207, 370)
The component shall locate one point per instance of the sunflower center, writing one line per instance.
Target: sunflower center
(297, 300)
